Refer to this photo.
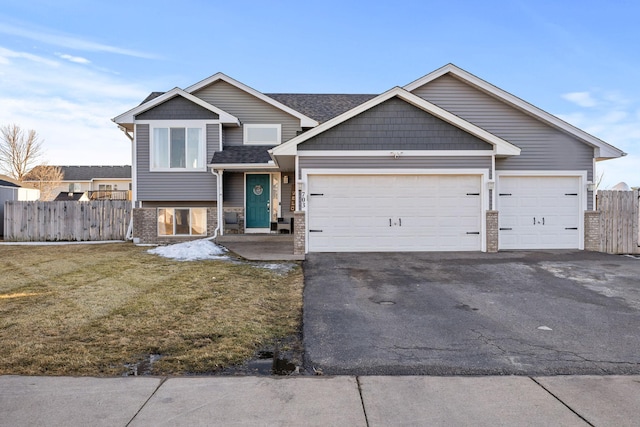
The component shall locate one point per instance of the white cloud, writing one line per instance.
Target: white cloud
(69, 105)
(71, 58)
(615, 120)
(583, 99)
(70, 41)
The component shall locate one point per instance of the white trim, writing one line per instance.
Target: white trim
(603, 150)
(247, 126)
(501, 147)
(396, 154)
(320, 171)
(482, 173)
(182, 124)
(304, 120)
(129, 116)
(582, 190)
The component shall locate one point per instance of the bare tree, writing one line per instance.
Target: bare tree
(19, 151)
(45, 178)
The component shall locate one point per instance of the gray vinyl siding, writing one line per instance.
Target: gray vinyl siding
(394, 125)
(178, 108)
(173, 186)
(403, 162)
(233, 189)
(248, 109)
(543, 147)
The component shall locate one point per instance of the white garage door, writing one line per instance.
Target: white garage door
(380, 213)
(539, 212)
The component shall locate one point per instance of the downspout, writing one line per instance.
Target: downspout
(129, 235)
(219, 229)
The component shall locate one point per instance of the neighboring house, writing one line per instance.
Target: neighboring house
(11, 189)
(448, 162)
(97, 182)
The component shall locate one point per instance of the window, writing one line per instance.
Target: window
(75, 187)
(105, 187)
(182, 221)
(177, 148)
(268, 134)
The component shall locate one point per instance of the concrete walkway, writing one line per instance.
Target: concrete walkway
(320, 401)
(261, 247)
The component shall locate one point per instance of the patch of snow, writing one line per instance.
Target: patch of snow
(191, 251)
(545, 328)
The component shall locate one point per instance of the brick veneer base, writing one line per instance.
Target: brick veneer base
(299, 232)
(492, 231)
(592, 231)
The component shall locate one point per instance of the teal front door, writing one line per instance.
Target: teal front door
(258, 194)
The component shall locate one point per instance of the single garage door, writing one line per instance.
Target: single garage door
(539, 212)
(383, 213)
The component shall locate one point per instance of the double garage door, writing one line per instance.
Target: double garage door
(380, 213)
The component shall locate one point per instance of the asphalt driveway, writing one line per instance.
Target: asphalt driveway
(520, 313)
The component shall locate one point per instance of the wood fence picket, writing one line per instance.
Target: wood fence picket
(37, 221)
(619, 222)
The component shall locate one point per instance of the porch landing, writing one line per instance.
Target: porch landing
(260, 247)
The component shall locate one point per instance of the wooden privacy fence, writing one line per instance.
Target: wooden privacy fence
(66, 220)
(619, 221)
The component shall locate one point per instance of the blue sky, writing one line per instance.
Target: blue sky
(67, 67)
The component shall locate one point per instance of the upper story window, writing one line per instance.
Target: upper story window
(177, 148)
(266, 134)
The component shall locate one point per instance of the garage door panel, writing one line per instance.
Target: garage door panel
(427, 213)
(539, 212)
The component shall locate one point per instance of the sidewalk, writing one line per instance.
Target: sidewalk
(320, 401)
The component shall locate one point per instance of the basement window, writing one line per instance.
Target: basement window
(182, 221)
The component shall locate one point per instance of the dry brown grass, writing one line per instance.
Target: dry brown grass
(92, 309)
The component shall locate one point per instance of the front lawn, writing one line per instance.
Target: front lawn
(100, 309)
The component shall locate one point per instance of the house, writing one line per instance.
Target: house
(448, 162)
(96, 182)
(11, 189)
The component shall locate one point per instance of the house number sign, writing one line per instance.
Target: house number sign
(257, 190)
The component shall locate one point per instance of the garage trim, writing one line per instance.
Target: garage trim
(582, 194)
(484, 193)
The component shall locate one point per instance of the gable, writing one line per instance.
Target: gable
(543, 146)
(177, 108)
(395, 124)
(602, 150)
(248, 108)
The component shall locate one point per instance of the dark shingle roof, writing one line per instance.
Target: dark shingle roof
(86, 173)
(66, 196)
(319, 106)
(242, 154)
(6, 181)
(151, 96)
(322, 106)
